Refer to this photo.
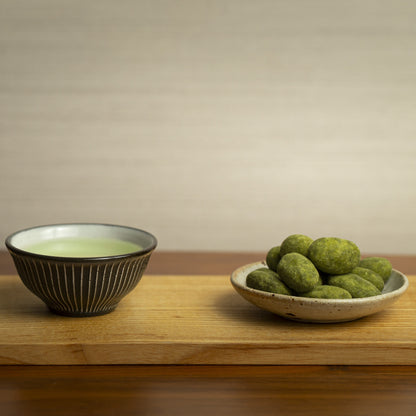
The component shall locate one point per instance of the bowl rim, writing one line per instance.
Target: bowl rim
(276, 296)
(19, 251)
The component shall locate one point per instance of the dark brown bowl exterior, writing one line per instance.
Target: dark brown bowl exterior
(81, 289)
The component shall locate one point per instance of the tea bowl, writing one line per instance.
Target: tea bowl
(81, 269)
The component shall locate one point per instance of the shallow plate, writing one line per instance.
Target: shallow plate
(318, 310)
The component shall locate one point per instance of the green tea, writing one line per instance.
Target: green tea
(83, 247)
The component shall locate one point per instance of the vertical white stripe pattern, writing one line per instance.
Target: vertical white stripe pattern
(80, 289)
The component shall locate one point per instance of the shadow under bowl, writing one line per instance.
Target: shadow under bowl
(81, 286)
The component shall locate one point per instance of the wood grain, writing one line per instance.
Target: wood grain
(208, 390)
(197, 320)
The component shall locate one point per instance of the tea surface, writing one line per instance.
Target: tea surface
(83, 247)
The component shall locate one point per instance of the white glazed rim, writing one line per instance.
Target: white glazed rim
(20, 240)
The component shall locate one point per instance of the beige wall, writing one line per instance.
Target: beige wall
(217, 125)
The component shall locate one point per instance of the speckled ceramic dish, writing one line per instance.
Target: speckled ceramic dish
(318, 310)
(81, 269)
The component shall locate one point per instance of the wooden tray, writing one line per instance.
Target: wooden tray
(197, 320)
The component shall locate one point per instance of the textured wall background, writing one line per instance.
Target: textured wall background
(216, 125)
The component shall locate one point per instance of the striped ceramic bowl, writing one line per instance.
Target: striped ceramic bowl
(81, 269)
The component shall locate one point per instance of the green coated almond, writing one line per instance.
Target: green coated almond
(267, 281)
(370, 275)
(327, 292)
(298, 272)
(265, 269)
(273, 257)
(380, 265)
(334, 255)
(295, 243)
(355, 285)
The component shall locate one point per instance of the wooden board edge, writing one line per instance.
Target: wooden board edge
(213, 354)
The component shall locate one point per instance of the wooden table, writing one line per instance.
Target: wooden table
(207, 390)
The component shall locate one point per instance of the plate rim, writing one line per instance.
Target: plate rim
(305, 300)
